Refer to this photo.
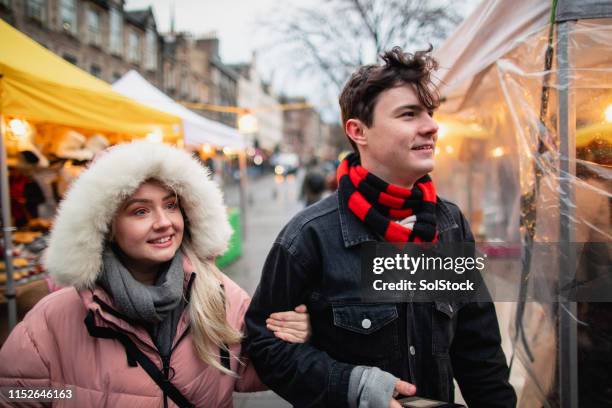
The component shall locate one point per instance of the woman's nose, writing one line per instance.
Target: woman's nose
(162, 221)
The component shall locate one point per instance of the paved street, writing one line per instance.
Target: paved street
(271, 205)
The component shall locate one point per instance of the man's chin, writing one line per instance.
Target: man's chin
(421, 170)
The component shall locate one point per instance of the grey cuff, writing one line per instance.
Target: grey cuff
(370, 387)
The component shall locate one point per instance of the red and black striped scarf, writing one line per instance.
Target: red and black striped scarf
(378, 204)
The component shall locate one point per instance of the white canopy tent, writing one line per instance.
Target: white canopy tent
(197, 129)
(493, 29)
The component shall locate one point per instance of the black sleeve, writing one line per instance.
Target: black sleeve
(478, 361)
(300, 373)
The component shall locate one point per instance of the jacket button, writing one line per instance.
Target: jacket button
(366, 323)
(412, 350)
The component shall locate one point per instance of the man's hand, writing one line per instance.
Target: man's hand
(401, 388)
(292, 327)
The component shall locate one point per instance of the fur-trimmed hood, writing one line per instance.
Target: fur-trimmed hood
(74, 255)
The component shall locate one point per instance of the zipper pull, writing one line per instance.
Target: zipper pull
(166, 365)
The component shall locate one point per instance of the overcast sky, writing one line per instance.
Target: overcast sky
(235, 23)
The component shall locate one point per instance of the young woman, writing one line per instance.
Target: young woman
(147, 319)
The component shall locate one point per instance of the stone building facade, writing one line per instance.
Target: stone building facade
(302, 130)
(256, 95)
(98, 36)
(222, 83)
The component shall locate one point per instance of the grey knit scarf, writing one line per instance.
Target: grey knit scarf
(158, 306)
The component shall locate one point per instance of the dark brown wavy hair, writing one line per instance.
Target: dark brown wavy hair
(359, 95)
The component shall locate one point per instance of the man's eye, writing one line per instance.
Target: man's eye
(409, 114)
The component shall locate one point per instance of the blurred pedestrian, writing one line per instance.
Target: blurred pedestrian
(313, 185)
(146, 317)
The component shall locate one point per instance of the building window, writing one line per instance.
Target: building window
(94, 35)
(170, 81)
(95, 70)
(184, 91)
(134, 47)
(36, 9)
(68, 16)
(151, 50)
(116, 32)
(70, 58)
(195, 93)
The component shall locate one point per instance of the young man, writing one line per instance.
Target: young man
(365, 354)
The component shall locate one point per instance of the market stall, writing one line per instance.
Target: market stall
(54, 118)
(214, 142)
(536, 77)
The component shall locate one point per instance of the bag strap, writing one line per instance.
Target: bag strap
(224, 355)
(225, 358)
(135, 356)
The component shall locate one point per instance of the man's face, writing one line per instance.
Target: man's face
(401, 141)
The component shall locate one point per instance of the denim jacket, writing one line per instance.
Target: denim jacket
(315, 260)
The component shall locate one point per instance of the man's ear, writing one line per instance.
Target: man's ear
(354, 129)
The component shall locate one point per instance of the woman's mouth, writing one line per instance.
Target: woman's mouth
(162, 242)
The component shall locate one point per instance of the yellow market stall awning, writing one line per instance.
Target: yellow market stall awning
(41, 87)
(37, 85)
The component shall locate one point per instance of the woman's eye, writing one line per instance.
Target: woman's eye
(140, 211)
(409, 114)
(172, 206)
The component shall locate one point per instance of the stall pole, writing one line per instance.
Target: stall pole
(9, 291)
(568, 361)
(242, 163)
(470, 186)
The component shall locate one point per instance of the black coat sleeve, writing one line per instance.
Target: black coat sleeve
(300, 373)
(478, 360)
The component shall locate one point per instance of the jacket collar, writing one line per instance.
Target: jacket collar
(355, 232)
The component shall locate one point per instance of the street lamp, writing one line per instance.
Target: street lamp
(18, 127)
(247, 123)
(608, 113)
(155, 137)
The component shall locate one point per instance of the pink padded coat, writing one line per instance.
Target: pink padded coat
(52, 347)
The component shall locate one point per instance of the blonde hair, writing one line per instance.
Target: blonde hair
(207, 312)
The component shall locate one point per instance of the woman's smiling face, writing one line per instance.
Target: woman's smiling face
(148, 227)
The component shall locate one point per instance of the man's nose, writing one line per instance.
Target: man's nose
(429, 126)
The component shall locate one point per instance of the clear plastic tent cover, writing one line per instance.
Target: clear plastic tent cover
(504, 166)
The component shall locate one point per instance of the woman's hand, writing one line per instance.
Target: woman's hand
(292, 327)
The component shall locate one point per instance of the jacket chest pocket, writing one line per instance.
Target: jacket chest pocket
(368, 332)
(443, 326)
